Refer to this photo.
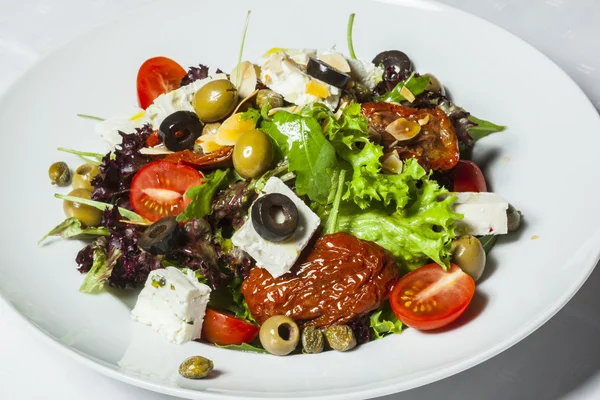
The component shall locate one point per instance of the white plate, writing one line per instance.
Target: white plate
(544, 164)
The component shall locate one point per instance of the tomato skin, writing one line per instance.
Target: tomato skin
(158, 189)
(468, 177)
(224, 329)
(157, 76)
(444, 296)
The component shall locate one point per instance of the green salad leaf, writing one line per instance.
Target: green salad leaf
(230, 298)
(483, 128)
(102, 267)
(488, 242)
(202, 195)
(384, 322)
(71, 228)
(130, 215)
(311, 157)
(415, 84)
(244, 347)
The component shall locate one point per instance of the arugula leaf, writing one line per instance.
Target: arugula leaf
(71, 228)
(332, 221)
(130, 215)
(416, 85)
(384, 322)
(483, 128)
(244, 347)
(90, 117)
(230, 298)
(102, 267)
(252, 114)
(203, 194)
(311, 157)
(488, 242)
(84, 155)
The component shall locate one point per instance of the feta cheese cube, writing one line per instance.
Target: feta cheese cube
(173, 304)
(278, 258)
(484, 214)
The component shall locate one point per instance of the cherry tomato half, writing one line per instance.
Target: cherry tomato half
(224, 329)
(157, 76)
(158, 190)
(468, 177)
(430, 298)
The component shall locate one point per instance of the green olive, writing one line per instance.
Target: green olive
(59, 174)
(215, 100)
(514, 218)
(196, 367)
(87, 215)
(84, 175)
(312, 340)
(253, 154)
(279, 335)
(468, 253)
(266, 96)
(340, 337)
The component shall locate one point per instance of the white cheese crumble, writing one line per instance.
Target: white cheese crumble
(484, 214)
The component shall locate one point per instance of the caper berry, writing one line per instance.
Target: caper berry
(82, 179)
(312, 340)
(340, 337)
(215, 100)
(87, 215)
(468, 253)
(279, 335)
(514, 218)
(59, 174)
(266, 96)
(196, 367)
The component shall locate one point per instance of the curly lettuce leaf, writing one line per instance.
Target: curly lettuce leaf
(384, 322)
(310, 155)
(420, 230)
(202, 195)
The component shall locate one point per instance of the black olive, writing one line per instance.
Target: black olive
(180, 130)
(326, 73)
(161, 235)
(274, 217)
(394, 60)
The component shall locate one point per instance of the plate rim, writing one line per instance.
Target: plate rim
(388, 387)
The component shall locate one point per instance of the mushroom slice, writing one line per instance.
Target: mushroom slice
(392, 163)
(250, 96)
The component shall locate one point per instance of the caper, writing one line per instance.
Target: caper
(279, 335)
(87, 215)
(59, 174)
(361, 92)
(253, 154)
(435, 85)
(312, 340)
(514, 218)
(266, 96)
(82, 179)
(468, 253)
(215, 100)
(340, 337)
(196, 367)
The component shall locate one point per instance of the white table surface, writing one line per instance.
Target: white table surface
(560, 360)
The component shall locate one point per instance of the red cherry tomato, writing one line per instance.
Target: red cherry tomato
(158, 190)
(468, 177)
(224, 329)
(430, 298)
(156, 76)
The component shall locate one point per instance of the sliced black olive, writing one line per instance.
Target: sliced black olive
(180, 130)
(395, 59)
(274, 217)
(326, 73)
(161, 235)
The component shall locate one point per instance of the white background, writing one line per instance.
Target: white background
(560, 360)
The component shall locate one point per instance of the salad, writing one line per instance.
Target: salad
(305, 201)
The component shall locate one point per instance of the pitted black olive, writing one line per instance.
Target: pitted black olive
(180, 130)
(161, 235)
(274, 217)
(395, 59)
(326, 73)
